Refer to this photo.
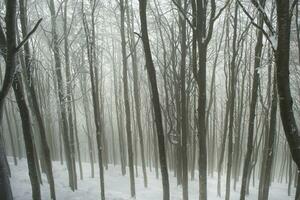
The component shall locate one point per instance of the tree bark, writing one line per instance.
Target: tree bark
(155, 100)
(28, 137)
(61, 96)
(10, 67)
(255, 84)
(35, 105)
(282, 55)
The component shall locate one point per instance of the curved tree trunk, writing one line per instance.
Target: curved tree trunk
(282, 55)
(155, 100)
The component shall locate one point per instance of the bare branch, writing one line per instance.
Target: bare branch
(184, 14)
(257, 26)
(28, 35)
(211, 22)
(2, 41)
(221, 10)
(292, 7)
(264, 15)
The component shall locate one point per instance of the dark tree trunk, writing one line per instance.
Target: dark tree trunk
(254, 94)
(183, 119)
(10, 47)
(233, 76)
(91, 53)
(282, 56)
(126, 101)
(269, 148)
(137, 98)
(28, 137)
(69, 95)
(155, 100)
(35, 105)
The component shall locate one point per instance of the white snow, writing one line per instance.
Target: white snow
(118, 188)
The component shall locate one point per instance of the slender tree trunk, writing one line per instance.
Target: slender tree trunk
(269, 149)
(35, 105)
(126, 101)
(91, 52)
(255, 84)
(28, 137)
(69, 95)
(10, 44)
(233, 76)
(60, 87)
(11, 137)
(183, 119)
(137, 98)
(155, 100)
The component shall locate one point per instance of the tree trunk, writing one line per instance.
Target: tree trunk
(255, 84)
(126, 101)
(28, 137)
(282, 55)
(35, 105)
(155, 100)
(61, 96)
(137, 98)
(69, 96)
(184, 114)
(10, 45)
(91, 52)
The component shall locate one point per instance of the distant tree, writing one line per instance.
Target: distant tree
(90, 35)
(61, 95)
(126, 99)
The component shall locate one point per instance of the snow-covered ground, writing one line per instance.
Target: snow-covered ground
(117, 186)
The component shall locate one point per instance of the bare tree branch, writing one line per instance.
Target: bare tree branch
(264, 15)
(257, 26)
(292, 7)
(28, 35)
(184, 14)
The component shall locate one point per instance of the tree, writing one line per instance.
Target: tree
(202, 36)
(32, 95)
(61, 96)
(91, 53)
(254, 94)
(184, 114)
(69, 94)
(155, 100)
(233, 76)
(136, 92)
(282, 56)
(9, 49)
(28, 137)
(126, 100)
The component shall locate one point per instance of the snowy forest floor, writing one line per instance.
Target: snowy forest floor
(117, 186)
